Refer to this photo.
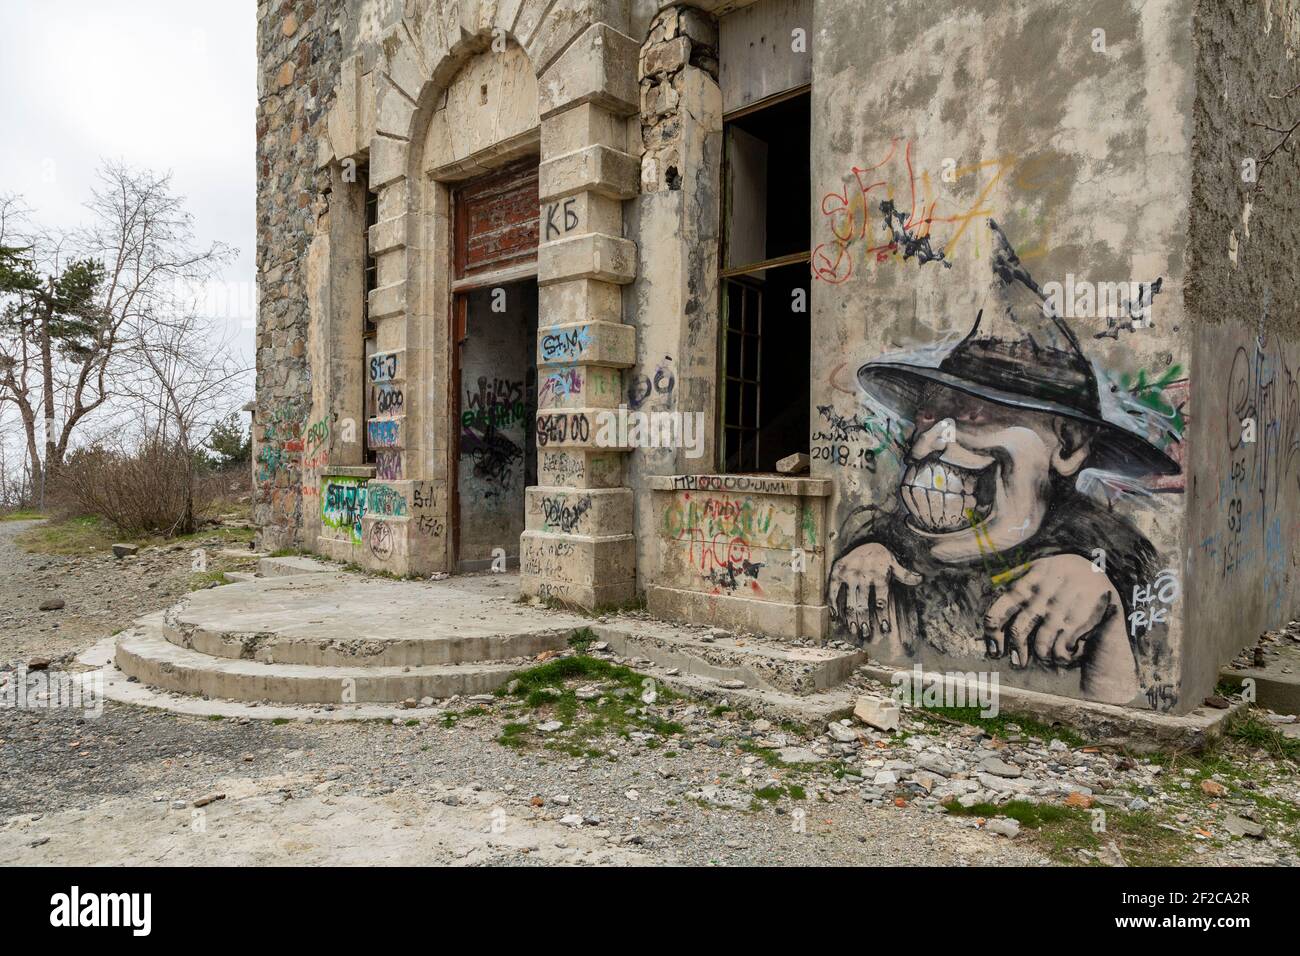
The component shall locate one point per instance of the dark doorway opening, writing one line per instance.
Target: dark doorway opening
(494, 364)
(766, 287)
(496, 455)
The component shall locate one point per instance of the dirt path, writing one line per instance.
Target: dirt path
(100, 593)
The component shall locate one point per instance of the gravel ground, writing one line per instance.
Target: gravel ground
(100, 593)
(675, 782)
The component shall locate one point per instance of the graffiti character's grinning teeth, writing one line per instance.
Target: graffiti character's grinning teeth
(942, 497)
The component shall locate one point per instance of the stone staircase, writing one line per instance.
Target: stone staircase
(318, 636)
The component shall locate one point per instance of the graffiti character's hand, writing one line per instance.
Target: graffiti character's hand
(1049, 611)
(861, 583)
(1062, 612)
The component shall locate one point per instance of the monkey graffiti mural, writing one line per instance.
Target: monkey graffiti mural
(989, 549)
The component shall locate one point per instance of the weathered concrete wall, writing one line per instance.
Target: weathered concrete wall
(673, 304)
(1244, 495)
(745, 552)
(1069, 482)
(985, 453)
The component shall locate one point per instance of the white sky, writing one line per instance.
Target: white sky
(166, 84)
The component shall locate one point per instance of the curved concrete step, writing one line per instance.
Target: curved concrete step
(357, 650)
(145, 654)
(339, 620)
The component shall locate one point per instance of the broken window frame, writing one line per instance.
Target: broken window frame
(751, 275)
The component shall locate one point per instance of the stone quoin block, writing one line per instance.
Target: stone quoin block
(609, 172)
(546, 28)
(579, 511)
(581, 126)
(596, 301)
(388, 300)
(386, 367)
(389, 234)
(580, 467)
(592, 256)
(582, 428)
(589, 343)
(387, 159)
(599, 67)
(580, 386)
(580, 213)
(579, 569)
(395, 113)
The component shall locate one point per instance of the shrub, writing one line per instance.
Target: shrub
(152, 490)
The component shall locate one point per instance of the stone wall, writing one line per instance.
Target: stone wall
(1244, 496)
(299, 52)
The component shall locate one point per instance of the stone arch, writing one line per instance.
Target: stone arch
(585, 69)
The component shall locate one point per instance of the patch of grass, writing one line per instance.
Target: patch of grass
(277, 721)
(582, 639)
(1060, 830)
(774, 792)
(635, 604)
(215, 717)
(512, 735)
(1249, 753)
(999, 726)
(87, 533)
(22, 515)
(69, 536)
(600, 610)
(618, 711)
(1255, 732)
(207, 579)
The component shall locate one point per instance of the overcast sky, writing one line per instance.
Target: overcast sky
(166, 84)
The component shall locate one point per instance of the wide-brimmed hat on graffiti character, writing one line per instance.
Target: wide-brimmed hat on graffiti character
(1020, 354)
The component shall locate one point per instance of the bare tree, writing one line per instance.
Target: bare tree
(71, 306)
(184, 380)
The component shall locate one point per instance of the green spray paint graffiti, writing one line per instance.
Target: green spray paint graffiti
(343, 505)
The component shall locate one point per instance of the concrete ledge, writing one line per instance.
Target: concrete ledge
(769, 665)
(743, 484)
(283, 567)
(352, 649)
(1275, 690)
(1139, 731)
(773, 618)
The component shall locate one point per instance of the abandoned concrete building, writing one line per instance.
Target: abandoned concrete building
(966, 332)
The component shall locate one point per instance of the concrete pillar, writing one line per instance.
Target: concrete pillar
(578, 545)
